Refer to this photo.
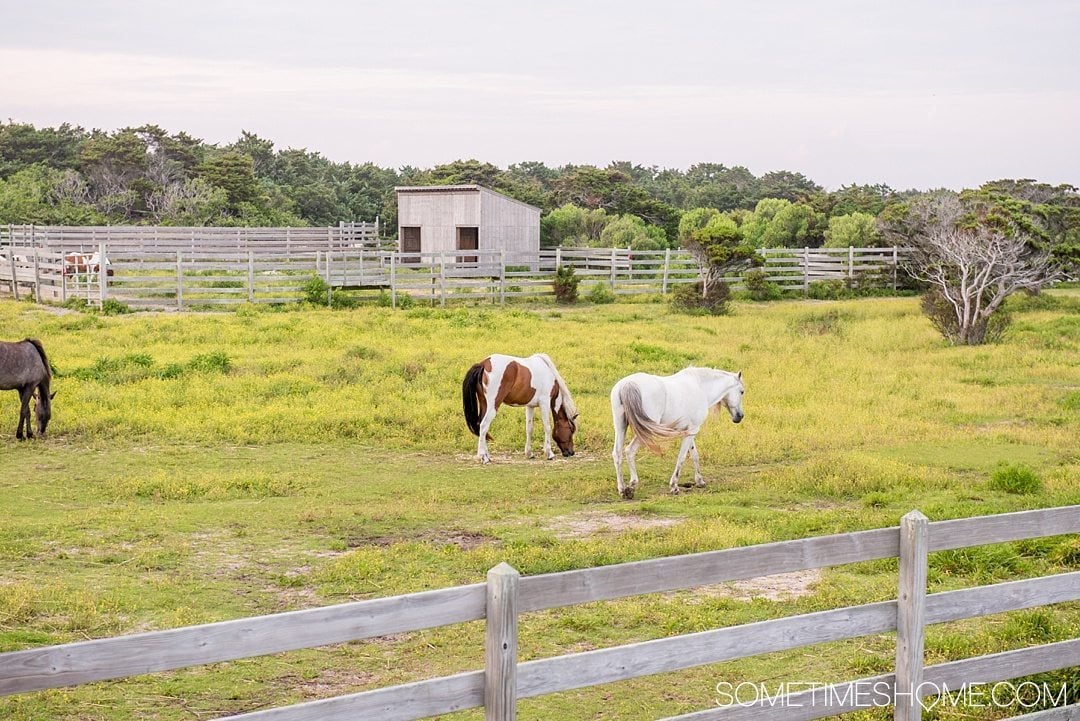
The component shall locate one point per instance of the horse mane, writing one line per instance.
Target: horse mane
(41, 352)
(564, 391)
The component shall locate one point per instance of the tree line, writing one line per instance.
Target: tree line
(67, 175)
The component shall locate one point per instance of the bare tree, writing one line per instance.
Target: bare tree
(971, 267)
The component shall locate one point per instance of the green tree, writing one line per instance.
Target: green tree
(43, 196)
(858, 230)
(234, 173)
(571, 226)
(23, 145)
(717, 244)
(630, 231)
(779, 223)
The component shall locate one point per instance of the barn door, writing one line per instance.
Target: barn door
(410, 243)
(468, 239)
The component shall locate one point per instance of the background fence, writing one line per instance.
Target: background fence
(185, 267)
(506, 595)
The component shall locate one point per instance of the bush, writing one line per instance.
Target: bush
(315, 290)
(1015, 479)
(600, 294)
(688, 299)
(759, 286)
(566, 285)
(827, 290)
(941, 314)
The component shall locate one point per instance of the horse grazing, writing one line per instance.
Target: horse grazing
(25, 368)
(661, 407)
(84, 264)
(532, 382)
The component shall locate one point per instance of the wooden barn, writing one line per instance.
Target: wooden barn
(465, 217)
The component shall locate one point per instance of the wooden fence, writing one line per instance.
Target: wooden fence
(181, 272)
(506, 596)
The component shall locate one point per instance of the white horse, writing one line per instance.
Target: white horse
(661, 407)
(532, 382)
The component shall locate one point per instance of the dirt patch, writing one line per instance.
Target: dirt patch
(780, 587)
(465, 540)
(590, 523)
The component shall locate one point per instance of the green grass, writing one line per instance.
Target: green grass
(203, 467)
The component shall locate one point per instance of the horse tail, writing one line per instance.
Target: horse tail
(645, 429)
(471, 388)
(564, 390)
(41, 352)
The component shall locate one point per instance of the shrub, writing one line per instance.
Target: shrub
(114, 307)
(315, 290)
(1015, 479)
(566, 285)
(759, 286)
(689, 299)
(827, 290)
(600, 294)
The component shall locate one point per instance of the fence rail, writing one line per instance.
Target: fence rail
(506, 595)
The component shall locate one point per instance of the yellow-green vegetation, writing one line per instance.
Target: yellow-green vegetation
(203, 467)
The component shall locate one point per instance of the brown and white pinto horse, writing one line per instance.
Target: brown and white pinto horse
(532, 382)
(84, 264)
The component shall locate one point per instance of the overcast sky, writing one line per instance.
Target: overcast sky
(914, 94)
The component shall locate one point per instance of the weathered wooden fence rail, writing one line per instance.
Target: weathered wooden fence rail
(184, 267)
(506, 595)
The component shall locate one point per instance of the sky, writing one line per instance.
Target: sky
(915, 94)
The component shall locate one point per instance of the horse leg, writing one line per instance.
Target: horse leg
(631, 456)
(545, 418)
(699, 480)
(528, 431)
(485, 426)
(684, 448)
(617, 451)
(25, 394)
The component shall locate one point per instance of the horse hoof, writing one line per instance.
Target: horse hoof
(628, 494)
(674, 490)
(699, 484)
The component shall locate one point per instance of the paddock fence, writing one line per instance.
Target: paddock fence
(506, 596)
(164, 267)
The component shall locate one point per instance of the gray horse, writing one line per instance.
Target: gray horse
(24, 368)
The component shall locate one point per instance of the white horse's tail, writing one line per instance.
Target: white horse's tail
(564, 391)
(645, 429)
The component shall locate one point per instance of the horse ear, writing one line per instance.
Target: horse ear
(739, 376)
(52, 395)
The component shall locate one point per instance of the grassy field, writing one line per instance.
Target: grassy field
(203, 467)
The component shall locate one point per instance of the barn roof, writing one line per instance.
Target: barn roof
(472, 187)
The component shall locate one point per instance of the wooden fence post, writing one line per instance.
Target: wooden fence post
(558, 258)
(806, 270)
(14, 277)
(614, 260)
(251, 276)
(442, 278)
(502, 276)
(393, 280)
(911, 616)
(103, 276)
(850, 263)
(895, 263)
(500, 656)
(37, 278)
(179, 281)
(667, 265)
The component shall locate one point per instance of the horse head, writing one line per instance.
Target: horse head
(43, 410)
(563, 431)
(732, 399)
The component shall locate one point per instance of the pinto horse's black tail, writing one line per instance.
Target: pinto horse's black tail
(471, 388)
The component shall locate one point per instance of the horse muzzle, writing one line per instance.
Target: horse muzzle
(567, 454)
(737, 419)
